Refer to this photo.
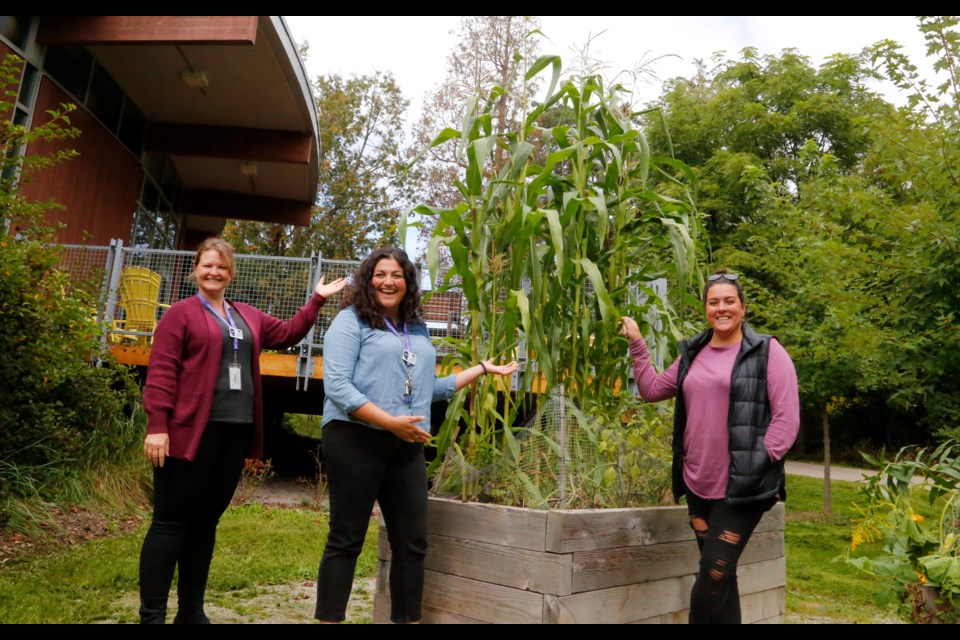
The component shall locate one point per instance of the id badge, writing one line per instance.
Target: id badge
(234, 377)
(237, 333)
(409, 358)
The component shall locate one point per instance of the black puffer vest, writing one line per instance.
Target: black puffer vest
(752, 476)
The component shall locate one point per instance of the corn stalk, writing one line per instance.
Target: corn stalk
(551, 247)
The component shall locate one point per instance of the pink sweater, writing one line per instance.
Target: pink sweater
(185, 362)
(706, 392)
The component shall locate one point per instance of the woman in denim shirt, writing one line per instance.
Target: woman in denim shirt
(379, 376)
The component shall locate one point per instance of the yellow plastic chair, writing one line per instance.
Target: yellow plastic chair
(139, 296)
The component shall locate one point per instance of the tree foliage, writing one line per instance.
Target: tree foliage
(841, 211)
(361, 195)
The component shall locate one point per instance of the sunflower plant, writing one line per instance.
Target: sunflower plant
(912, 505)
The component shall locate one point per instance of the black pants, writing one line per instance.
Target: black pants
(715, 597)
(188, 500)
(364, 466)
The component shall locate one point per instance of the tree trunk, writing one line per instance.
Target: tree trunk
(825, 421)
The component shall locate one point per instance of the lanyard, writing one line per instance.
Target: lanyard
(229, 321)
(405, 338)
(408, 359)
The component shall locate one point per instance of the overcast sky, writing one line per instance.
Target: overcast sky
(415, 49)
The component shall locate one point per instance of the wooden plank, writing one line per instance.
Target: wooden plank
(756, 608)
(760, 576)
(452, 596)
(494, 524)
(763, 606)
(635, 602)
(481, 601)
(606, 568)
(381, 609)
(677, 617)
(538, 571)
(91, 30)
(437, 616)
(629, 603)
(381, 614)
(587, 529)
(773, 520)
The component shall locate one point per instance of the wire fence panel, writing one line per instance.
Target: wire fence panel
(275, 285)
(86, 265)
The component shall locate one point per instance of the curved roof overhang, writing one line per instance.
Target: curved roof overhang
(227, 98)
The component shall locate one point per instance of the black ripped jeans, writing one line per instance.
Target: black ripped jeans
(715, 597)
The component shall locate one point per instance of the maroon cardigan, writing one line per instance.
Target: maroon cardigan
(185, 363)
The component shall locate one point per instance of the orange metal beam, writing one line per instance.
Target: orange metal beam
(106, 30)
(281, 365)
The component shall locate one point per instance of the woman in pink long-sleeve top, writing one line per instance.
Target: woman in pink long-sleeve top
(736, 415)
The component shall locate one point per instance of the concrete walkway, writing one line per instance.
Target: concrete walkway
(812, 470)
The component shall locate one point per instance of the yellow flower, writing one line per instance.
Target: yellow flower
(921, 577)
(917, 517)
(855, 541)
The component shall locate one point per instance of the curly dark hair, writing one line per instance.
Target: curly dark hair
(361, 294)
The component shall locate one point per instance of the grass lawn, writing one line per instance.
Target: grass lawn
(264, 570)
(819, 587)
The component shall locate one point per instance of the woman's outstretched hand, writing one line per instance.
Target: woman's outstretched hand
(499, 369)
(329, 290)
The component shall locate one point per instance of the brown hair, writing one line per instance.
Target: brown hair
(221, 246)
(733, 279)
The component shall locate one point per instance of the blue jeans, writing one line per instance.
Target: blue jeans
(715, 597)
(364, 466)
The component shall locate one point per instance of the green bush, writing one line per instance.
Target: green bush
(61, 416)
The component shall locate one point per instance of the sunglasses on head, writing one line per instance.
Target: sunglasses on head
(726, 276)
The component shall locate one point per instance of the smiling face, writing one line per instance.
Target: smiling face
(725, 312)
(213, 274)
(389, 286)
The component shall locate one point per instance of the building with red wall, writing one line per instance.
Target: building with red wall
(186, 121)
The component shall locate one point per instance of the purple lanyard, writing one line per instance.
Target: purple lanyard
(408, 365)
(227, 321)
(405, 338)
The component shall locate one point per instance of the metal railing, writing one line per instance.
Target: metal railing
(275, 285)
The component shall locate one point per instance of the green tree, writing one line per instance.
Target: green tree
(747, 126)
(915, 161)
(842, 211)
(361, 194)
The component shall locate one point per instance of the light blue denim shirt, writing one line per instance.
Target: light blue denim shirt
(362, 364)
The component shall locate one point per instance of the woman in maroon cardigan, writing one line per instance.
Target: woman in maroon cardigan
(204, 405)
